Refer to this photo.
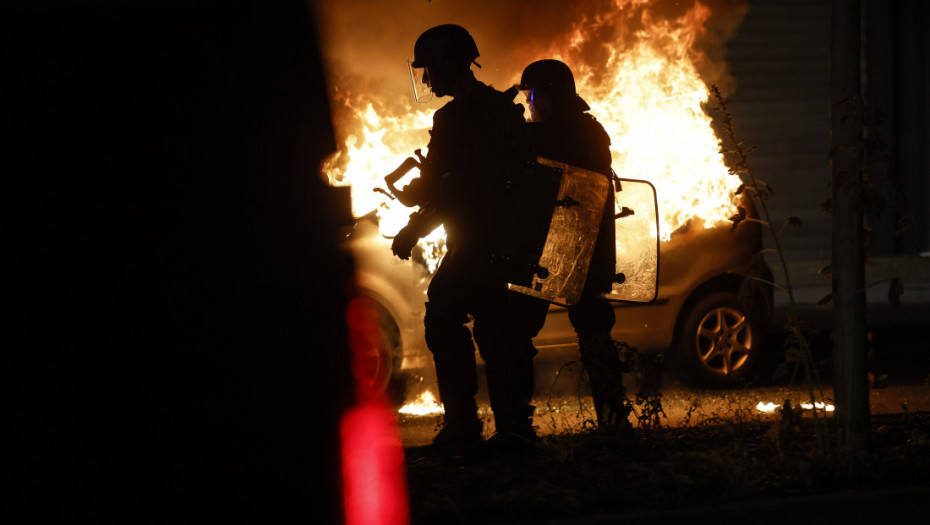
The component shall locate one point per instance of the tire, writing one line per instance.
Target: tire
(378, 358)
(719, 342)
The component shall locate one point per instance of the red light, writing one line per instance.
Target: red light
(373, 467)
(374, 479)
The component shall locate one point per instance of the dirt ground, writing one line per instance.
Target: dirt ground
(713, 457)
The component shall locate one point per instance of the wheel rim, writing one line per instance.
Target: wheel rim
(724, 340)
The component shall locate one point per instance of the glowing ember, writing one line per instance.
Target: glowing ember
(772, 407)
(424, 405)
(819, 406)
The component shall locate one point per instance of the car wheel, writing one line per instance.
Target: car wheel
(375, 361)
(719, 341)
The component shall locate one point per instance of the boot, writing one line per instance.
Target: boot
(601, 361)
(455, 439)
(515, 435)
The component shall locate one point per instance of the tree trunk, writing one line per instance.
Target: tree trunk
(851, 389)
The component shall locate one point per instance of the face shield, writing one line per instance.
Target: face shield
(527, 95)
(419, 81)
(540, 104)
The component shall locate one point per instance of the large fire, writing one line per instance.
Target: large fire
(637, 69)
(647, 93)
(368, 155)
(650, 98)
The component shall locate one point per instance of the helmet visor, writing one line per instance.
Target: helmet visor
(419, 81)
(539, 103)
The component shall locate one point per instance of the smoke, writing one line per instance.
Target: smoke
(366, 42)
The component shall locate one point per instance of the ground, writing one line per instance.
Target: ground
(571, 478)
(712, 459)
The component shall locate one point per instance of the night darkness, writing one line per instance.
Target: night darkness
(170, 263)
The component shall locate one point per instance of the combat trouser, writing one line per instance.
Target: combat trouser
(593, 318)
(504, 334)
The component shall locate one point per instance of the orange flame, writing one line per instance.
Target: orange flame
(647, 93)
(380, 144)
(424, 405)
(650, 99)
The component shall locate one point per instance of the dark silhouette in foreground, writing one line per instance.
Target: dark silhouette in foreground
(173, 265)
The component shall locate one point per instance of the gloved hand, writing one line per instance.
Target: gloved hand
(404, 242)
(415, 191)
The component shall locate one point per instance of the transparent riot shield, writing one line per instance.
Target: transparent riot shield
(637, 239)
(563, 266)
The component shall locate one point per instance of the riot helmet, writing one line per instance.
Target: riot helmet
(444, 43)
(446, 47)
(550, 88)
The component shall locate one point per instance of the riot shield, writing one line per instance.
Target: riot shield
(637, 238)
(525, 209)
(563, 265)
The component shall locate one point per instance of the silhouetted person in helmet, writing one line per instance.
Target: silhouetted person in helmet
(562, 130)
(477, 140)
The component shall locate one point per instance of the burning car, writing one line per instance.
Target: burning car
(709, 314)
(652, 98)
(713, 304)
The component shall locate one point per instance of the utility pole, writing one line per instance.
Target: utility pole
(851, 388)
